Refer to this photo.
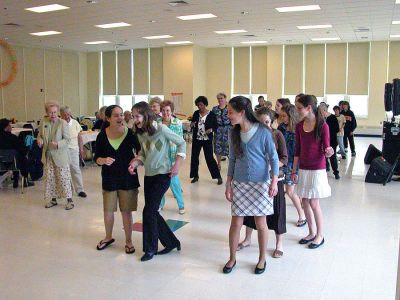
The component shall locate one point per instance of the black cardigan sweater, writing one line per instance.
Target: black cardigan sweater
(211, 122)
(116, 176)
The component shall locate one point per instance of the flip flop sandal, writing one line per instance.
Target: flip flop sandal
(301, 223)
(129, 250)
(241, 246)
(103, 245)
(277, 254)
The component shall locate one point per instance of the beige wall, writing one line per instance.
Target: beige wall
(43, 75)
(178, 74)
(200, 74)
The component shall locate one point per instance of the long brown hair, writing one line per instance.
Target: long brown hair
(307, 100)
(148, 117)
(290, 111)
(238, 104)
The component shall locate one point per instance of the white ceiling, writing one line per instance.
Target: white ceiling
(262, 20)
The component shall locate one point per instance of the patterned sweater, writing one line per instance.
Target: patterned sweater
(176, 127)
(155, 150)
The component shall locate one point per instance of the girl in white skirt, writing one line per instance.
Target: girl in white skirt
(248, 186)
(312, 146)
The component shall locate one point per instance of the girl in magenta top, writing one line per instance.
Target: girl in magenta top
(312, 146)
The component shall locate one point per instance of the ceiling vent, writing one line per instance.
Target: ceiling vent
(248, 35)
(178, 3)
(12, 24)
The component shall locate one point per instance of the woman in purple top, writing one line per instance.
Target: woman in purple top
(312, 146)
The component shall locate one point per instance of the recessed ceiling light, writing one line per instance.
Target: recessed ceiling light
(326, 39)
(179, 43)
(155, 37)
(196, 17)
(397, 1)
(314, 26)
(47, 8)
(97, 42)
(396, 22)
(113, 25)
(253, 42)
(230, 31)
(297, 8)
(395, 35)
(43, 33)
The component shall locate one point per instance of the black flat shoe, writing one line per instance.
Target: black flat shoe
(147, 256)
(219, 182)
(227, 270)
(195, 179)
(167, 250)
(258, 270)
(305, 241)
(82, 194)
(315, 246)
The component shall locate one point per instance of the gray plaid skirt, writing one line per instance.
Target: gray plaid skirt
(251, 199)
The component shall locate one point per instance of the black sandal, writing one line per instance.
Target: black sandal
(103, 245)
(129, 250)
(301, 223)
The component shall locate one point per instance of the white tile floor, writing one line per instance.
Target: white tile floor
(50, 253)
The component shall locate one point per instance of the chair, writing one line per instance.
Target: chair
(8, 162)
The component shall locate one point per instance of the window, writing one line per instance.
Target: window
(140, 98)
(125, 101)
(109, 100)
(334, 99)
(359, 105)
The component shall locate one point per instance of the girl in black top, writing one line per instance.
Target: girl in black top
(349, 127)
(116, 146)
(204, 124)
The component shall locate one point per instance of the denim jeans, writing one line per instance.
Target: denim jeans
(341, 145)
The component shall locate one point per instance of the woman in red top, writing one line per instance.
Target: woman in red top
(312, 146)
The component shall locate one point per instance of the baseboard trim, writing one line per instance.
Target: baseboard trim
(367, 135)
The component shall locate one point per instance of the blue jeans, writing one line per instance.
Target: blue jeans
(177, 191)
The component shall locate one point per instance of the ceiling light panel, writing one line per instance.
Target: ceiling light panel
(156, 37)
(47, 8)
(179, 43)
(113, 25)
(44, 33)
(297, 8)
(196, 17)
(314, 27)
(97, 42)
(230, 31)
(395, 36)
(395, 22)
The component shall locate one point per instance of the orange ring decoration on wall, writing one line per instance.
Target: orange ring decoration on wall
(7, 48)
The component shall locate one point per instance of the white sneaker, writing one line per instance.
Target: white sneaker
(181, 211)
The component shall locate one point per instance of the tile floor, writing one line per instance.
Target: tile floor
(50, 253)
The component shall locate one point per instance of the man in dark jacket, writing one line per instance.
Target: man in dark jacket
(333, 125)
(349, 127)
(9, 141)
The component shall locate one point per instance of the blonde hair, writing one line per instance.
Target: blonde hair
(49, 104)
(155, 100)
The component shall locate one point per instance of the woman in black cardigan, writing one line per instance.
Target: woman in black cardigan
(204, 124)
(116, 146)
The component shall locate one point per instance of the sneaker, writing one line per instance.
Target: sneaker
(70, 205)
(337, 176)
(219, 182)
(181, 211)
(82, 194)
(51, 203)
(353, 153)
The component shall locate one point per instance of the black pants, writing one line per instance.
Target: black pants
(333, 161)
(154, 226)
(208, 154)
(349, 137)
(22, 164)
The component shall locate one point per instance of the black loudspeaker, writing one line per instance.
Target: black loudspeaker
(391, 143)
(379, 171)
(388, 96)
(372, 153)
(396, 97)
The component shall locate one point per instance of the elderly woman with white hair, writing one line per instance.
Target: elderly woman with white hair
(75, 150)
(54, 139)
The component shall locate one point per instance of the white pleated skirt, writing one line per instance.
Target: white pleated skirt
(313, 184)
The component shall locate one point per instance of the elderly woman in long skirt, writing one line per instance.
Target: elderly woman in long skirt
(54, 139)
